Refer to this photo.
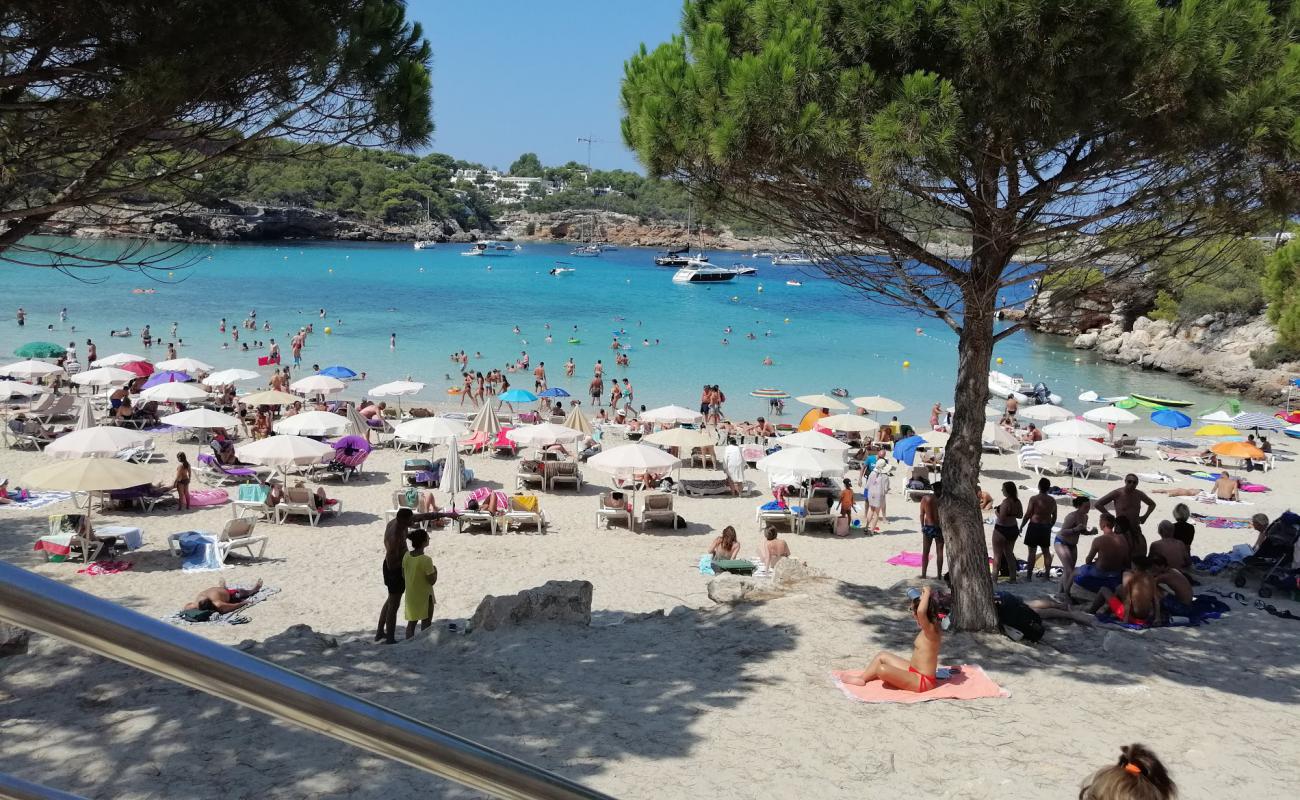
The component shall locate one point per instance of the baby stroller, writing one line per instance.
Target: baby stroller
(1275, 557)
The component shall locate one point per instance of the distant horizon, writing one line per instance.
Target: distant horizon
(512, 78)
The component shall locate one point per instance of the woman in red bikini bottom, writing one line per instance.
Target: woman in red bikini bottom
(918, 674)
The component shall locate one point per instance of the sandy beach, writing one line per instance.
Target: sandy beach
(666, 694)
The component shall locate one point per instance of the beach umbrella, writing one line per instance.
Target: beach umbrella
(318, 384)
(821, 401)
(397, 389)
(98, 441)
(1216, 416)
(88, 475)
(1229, 449)
(141, 369)
(875, 403)
(935, 438)
(118, 360)
(202, 418)
(283, 451)
(1173, 420)
(103, 376)
(632, 459)
(1074, 427)
(682, 437)
(1075, 447)
(174, 393)
(770, 394)
(191, 365)
(30, 370)
(429, 430)
(41, 350)
(904, 450)
(554, 392)
(228, 376)
(671, 415)
(313, 423)
(544, 434)
(352, 442)
(485, 421)
(166, 376)
(794, 464)
(11, 389)
(995, 435)
(1045, 413)
(578, 422)
(517, 396)
(1252, 420)
(814, 440)
(453, 478)
(1108, 415)
(357, 425)
(336, 371)
(271, 397)
(1217, 429)
(85, 415)
(849, 423)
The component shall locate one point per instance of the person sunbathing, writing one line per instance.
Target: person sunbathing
(772, 549)
(222, 599)
(726, 546)
(1137, 600)
(918, 674)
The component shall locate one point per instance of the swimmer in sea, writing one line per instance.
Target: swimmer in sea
(516, 329)
(767, 362)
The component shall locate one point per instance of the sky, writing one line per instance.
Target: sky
(516, 76)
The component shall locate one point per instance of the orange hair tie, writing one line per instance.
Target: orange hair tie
(1133, 768)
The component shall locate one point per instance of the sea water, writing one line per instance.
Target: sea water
(819, 335)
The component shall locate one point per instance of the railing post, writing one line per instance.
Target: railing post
(110, 630)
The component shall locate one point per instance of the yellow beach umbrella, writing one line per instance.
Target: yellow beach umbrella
(1218, 430)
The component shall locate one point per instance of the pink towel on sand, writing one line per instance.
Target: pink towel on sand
(905, 559)
(969, 684)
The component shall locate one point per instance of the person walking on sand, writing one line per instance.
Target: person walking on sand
(919, 673)
(182, 482)
(931, 532)
(1040, 518)
(846, 509)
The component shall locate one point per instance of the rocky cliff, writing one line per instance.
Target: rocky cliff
(625, 230)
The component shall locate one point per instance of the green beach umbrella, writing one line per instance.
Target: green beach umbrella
(40, 350)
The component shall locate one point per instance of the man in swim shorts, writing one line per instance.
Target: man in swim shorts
(917, 675)
(1106, 562)
(931, 533)
(221, 599)
(1137, 600)
(1128, 501)
(1040, 518)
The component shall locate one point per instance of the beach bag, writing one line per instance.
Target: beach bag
(1017, 620)
(197, 614)
(841, 526)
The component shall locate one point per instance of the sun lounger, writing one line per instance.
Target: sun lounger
(61, 406)
(26, 435)
(817, 512)
(301, 501)
(703, 488)
(251, 500)
(1030, 459)
(146, 496)
(776, 516)
(564, 472)
(1189, 455)
(523, 509)
(469, 519)
(214, 473)
(704, 457)
(611, 509)
(657, 507)
(474, 444)
(504, 446)
(69, 532)
(236, 535)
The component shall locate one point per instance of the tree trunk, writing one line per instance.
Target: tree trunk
(963, 527)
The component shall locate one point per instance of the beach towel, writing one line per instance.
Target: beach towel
(1210, 498)
(198, 552)
(233, 618)
(905, 559)
(706, 564)
(1214, 563)
(37, 500)
(773, 505)
(1232, 523)
(1204, 608)
(970, 683)
(1063, 491)
(526, 502)
(105, 567)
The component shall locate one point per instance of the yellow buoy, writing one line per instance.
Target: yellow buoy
(329, 330)
(907, 364)
(999, 360)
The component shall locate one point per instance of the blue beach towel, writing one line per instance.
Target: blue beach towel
(198, 552)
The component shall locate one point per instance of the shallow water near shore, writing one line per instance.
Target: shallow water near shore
(820, 335)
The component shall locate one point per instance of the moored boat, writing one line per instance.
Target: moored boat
(1151, 401)
(703, 272)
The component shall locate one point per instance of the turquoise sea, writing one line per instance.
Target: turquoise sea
(820, 335)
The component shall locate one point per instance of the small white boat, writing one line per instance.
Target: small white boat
(703, 272)
(425, 244)
(561, 270)
(793, 283)
(1004, 386)
(791, 260)
(745, 269)
(586, 251)
(487, 247)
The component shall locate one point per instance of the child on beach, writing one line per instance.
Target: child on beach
(917, 675)
(1138, 775)
(420, 575)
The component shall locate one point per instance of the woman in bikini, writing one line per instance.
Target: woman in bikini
(182, 482)
(1006, 530)
(726, 546)
(917, 675)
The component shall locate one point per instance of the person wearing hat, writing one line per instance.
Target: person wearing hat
(877, 492)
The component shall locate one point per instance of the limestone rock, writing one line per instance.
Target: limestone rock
(1086, 341)
(564, 602)
(13, 641)
(790, 571)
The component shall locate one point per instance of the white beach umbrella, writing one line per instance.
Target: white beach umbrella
(118, 359)
(997, 436)
(190, 365)
(1073, 427)
(877, 403)
(11, 389)
(429, 430)
(668, 415)
(1045, 413)
(453, 479)
(30, 370)
(271, 397)
(103, 376)
(357, 425)
(544, 434)
(100, 441)
(224, 377)
(174, 393)
(794, 464)
(935, 438)
(632, 459)
(1217, 416)
(203, 418)
(313, 423)
(318, 384)
(813, 440)
(283, 451)
(88, 475)
(1110, 414)
(485, 421)
(822, 401)
(1075, 447)
(399, 389)
(577, 421)
(85, 415)
(849, 423)
(681, 437)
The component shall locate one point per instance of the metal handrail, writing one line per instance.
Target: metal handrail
(12, 788)
(108, 629)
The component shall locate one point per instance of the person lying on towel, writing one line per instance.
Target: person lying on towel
(918, 674)
(222, 599)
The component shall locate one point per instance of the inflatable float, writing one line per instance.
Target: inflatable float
(208, 497)
(1214, 476)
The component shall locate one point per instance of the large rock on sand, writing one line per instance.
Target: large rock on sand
(729, 589)
(565, 602)
(13, 641)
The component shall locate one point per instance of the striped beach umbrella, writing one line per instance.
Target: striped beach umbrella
(770, 394)
(1253, 420)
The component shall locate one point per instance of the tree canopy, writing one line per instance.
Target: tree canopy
(527, 165)
(100, 98)
(1088, 134)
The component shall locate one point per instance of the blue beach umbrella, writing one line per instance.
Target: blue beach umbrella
(517, 396)
(1173, 420)
(554, 391)
(342, 373)
(167, 376)
(905, 449)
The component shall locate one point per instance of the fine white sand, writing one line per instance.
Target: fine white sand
(705, 700)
